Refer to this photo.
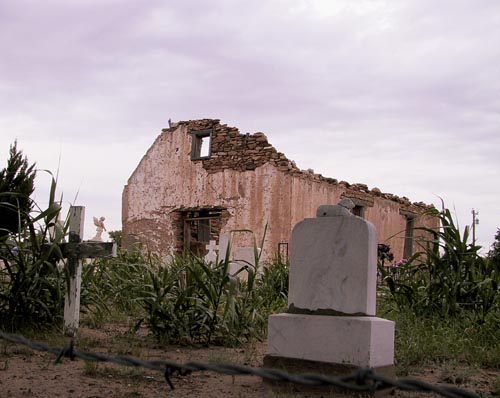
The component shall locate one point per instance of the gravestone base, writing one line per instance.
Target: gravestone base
(329, 345)
(303, 366)
(362, 341)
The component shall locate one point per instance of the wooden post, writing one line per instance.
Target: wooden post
(76, 250)
(72, 299)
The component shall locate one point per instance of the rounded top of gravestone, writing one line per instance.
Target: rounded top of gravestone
(342, 209)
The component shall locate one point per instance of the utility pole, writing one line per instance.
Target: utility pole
(475, 221)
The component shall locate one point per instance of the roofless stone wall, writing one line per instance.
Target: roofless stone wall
(242, 152)
(202, 169)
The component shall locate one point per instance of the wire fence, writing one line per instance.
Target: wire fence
(362, 381)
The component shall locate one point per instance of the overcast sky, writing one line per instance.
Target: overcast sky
(399, 95)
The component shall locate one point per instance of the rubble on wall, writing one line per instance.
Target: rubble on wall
(241, 152)
(246, 152)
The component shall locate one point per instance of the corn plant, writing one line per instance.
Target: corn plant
(113, 284)
(31, 284)
(448, 277)
(165, 303)
(273, 285)
(186, 300)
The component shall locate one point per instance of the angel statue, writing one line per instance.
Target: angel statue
(99, 223)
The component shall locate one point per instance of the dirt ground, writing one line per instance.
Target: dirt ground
(28, 373)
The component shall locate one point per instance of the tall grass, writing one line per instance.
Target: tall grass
(434, 340)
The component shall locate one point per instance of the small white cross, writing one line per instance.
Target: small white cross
(212, 246)
(211, 256)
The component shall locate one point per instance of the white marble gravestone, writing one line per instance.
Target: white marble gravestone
(243, 257)
(224, 245)
(336, 265)
(238, 257)
(332, 295)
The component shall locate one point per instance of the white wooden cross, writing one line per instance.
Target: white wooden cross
(211, 256)
(75, 250)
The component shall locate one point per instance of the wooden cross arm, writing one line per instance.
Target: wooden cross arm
(88, 249)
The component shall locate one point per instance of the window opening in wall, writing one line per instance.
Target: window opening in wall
(359, 211)
(283, 251)
(204, 230)
(408, 247)
(202, 142)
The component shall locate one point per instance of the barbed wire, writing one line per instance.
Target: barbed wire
(363, 380)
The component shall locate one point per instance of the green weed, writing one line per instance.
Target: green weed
(421, 341)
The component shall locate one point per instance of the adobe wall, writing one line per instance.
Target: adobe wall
(245, 175)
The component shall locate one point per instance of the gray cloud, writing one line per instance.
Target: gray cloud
(402, 95)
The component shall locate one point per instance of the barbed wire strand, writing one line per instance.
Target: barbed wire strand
(364, 380)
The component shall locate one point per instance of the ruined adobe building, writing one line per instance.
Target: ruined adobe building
(201, 178)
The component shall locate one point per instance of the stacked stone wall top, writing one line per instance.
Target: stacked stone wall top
(246, 152)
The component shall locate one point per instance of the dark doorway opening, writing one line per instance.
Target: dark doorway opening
(200, 226)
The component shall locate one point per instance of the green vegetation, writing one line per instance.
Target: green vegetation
(448, 279)
(445, 302)
(494, 253)
(31, 284)
(187, 300)
(116, 237)
(433, 340)
(16, 186)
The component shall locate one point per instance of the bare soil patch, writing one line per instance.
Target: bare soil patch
(28, 373)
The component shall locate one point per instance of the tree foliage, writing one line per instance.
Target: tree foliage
(494, 253)
(116, 237)
(16, 186)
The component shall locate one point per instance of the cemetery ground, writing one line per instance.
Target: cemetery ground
(463, 350)
(28, 373)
